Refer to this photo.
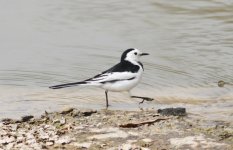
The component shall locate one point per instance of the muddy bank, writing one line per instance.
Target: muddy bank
(113, 129)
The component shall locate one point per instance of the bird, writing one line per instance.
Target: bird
(121, 77)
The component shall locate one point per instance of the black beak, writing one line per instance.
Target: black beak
(142, 54)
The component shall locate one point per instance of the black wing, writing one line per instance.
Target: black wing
(124, 66)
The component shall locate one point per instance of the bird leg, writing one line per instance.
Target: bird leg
(143, 98)
(106, 94)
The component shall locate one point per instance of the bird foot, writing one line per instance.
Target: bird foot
(143, 98)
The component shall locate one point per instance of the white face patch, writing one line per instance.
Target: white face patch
(133, 55)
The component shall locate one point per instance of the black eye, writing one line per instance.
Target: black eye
(135, 53)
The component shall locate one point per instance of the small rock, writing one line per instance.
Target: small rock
(67, 110)
(48, 126)
(221, 83)
(75, 113)
(44, 146)
(129, 147)
(26, 118)
(56, 121)
(103, 145)
(49, 143)
(88, 112)
(14, 127)
(147, 140)
(63, 121)
(7, 121)
(20, 139)
(31, 141)
(63, 140)
(172, 111)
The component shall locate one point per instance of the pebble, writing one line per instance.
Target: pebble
(147, 140)
(88, 112)
(49, 143)
(7, 121)
(26, 118)
(129, 147)
(20, 139)
(14, 127)
(56, 121)
(63, 121)
(31, 141)
(67, 110)
(63, 140)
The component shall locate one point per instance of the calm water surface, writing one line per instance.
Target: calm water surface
(43, 43)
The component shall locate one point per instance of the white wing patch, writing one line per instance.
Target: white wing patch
(114, 76)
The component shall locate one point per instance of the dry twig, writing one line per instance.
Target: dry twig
(134, 125)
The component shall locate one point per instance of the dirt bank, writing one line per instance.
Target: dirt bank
(114, 129)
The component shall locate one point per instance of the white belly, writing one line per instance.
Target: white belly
(118, 86)
(123, 85)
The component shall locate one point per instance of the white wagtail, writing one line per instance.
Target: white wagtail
(122, 77)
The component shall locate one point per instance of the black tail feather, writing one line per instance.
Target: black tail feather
(67, 85)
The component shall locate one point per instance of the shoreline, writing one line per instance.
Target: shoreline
(114, 129)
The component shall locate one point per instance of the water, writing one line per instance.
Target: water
(43, 43)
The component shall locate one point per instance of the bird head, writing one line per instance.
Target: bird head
(132, 54)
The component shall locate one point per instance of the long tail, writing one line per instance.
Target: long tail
(68, 85)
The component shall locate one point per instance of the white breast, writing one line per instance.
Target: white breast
(124, 85)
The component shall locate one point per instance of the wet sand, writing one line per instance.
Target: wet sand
(114, 129)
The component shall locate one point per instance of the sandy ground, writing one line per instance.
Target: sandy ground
(114, 129)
